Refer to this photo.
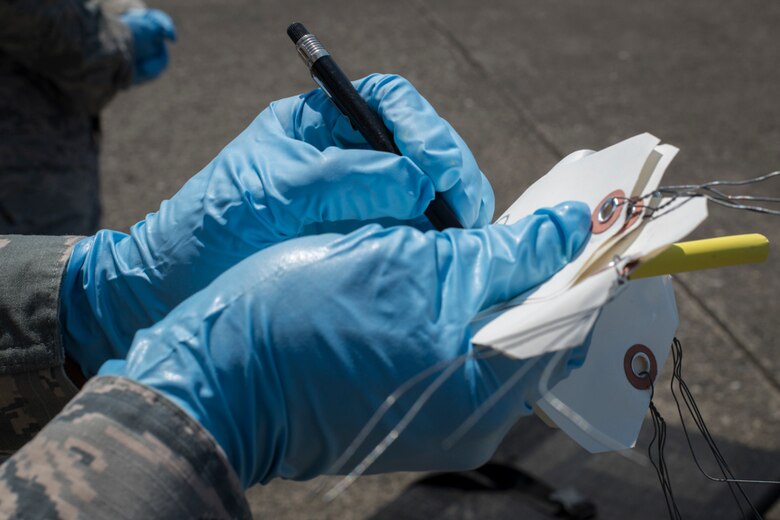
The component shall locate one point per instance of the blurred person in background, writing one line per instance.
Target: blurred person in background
(61, 62)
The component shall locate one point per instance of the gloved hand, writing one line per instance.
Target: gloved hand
(150, 29)
(286, 356)
(299, 163)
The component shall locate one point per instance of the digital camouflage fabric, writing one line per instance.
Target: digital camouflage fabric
(120, 450)
(33, 385)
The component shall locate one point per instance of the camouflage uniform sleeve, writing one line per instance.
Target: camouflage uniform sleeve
(33, 385)
(88, 55)
(120, 450)
(117, 7)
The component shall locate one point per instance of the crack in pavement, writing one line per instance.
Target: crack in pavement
(524, 115)
(726, 330)
(528, 120)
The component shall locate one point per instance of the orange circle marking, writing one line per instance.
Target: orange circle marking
(605, 215)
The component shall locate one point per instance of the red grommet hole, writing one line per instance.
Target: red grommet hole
(640, 366)
(607, 211)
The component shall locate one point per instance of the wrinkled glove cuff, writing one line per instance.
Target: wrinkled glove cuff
(80, 330)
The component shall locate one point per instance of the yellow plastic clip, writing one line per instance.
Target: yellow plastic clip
(706, 254)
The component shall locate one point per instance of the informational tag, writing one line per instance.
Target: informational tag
(618, 184)
(602, 404)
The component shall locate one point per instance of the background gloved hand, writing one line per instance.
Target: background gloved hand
(298, 164)
(150, 29)
(286, 356)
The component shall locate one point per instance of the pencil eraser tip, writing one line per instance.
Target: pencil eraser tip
(296, 31)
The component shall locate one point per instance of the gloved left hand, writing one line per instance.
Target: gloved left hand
(300, 163)
(150, 29)
(287, 355)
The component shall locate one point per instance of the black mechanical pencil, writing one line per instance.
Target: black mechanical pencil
(334, 82)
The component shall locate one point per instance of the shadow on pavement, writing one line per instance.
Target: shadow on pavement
(538, 474)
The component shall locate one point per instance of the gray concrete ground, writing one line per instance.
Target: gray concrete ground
(524, 83)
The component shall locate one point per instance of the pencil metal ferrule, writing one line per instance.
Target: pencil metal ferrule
(310, 49)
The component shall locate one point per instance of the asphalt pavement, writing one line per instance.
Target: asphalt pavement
(525, 83)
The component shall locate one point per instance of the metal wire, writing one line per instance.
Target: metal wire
(659, 439)
(666, 196)
(690, 404)
(653, 205)
(447, 369)
(659, 462)
(708, 190)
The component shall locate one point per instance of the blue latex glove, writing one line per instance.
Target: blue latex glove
(286, 356)
(150, 29)
(299, 163)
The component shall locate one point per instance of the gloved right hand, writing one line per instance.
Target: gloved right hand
(150, 29)
(300, 163)
(287, 355)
